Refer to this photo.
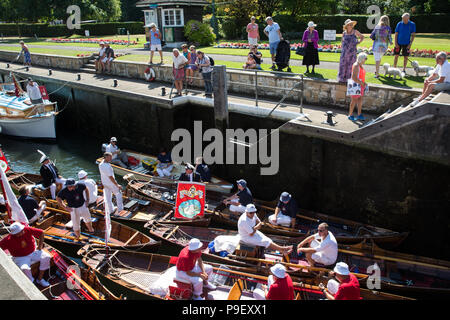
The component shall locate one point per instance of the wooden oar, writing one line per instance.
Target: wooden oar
(236, 291)
(71, 237)
(255, 276)
(424, 264)
(298, 215)
(293, 265)
(172, 232)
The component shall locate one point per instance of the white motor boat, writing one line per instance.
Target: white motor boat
(20, 118)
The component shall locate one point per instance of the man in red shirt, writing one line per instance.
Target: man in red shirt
(279, 283)
(348, 284)
(21, 245)
(190, 268)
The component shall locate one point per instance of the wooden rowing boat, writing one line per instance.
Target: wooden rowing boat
(85, 284)
(134, 273)
(148, 173)
(359, 257)
(54, 224)
(345, 231)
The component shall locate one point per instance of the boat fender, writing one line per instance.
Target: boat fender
(149, 74)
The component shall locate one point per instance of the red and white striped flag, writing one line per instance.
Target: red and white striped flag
(15, 209)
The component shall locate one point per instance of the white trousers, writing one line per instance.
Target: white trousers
(108, 191)
(258, 293)
(24, 263)
(197, 282)
(77, 213)
(53, 186)
(240, 208)
(281, 219)
(164, 172)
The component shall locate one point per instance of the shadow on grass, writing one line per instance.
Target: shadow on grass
(314, 75)
(400, 82)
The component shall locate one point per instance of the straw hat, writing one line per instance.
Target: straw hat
(350, 21)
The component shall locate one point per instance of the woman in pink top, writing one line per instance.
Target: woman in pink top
(253, 33)
(310, 42)
(359, 77)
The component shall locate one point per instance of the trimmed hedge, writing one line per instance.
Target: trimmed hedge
(292, 26)
(46, 30)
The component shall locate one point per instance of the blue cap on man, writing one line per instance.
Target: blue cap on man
(242, 182)
(285, 197)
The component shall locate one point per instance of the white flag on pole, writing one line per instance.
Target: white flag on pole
(107, 227)
(17, 213)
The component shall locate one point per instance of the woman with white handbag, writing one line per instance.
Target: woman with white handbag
(357, 87)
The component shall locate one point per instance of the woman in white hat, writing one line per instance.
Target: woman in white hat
(347, 284)
(248, 229)
(279, 286)
(310, 42)
(90, 185)
(190, 268)
(21, 245)
(348, 50)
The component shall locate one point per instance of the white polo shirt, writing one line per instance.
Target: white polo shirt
(33, 91)
(443, 71)
(177, 61)
(328, 247)
(92, 189)
(106, 171)
(112, 149)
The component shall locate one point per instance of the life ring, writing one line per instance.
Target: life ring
(149, 74)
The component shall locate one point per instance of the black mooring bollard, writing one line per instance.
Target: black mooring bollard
(78, 76)
(115, 83)
(163, 91)
(49, 72)
(7, 65)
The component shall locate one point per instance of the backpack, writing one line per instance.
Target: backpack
(211, 61)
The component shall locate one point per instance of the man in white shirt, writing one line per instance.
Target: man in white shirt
(179, 61)
(248, 226)
(118, 157)
(101, 56)
(439, 80)
(110, 185)
(33, 92)
(322, 249)
(90, 185)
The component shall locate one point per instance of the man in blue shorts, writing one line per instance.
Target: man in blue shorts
(405, 31)
(272, 31)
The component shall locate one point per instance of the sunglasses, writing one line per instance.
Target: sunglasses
(320, 230)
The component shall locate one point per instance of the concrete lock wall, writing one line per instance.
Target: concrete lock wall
(48, 60)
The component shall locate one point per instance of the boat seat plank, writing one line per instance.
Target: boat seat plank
(141, 279)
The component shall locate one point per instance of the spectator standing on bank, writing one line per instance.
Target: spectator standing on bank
(359, 77)
(272, 31)
(348, 53)
(253, 32)
(382, 38)
(204, 65)
(192, 67)
(310, 42)
(179, 61)
(155, 42)
(405, 32)
(26, 54)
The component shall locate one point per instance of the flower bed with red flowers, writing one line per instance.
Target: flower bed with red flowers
(93, 40)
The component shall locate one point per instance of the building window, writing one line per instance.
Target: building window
(150, 17)
(173, 18)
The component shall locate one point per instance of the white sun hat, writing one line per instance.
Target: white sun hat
(16, 227)
(250, 208)
(332, 286)
(311, 24)
(278, 270)
(341, 268)
(82, 174)
(195, 244)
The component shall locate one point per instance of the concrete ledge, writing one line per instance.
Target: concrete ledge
(48, 60)
(14, 284)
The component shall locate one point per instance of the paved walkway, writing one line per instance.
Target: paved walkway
(223, 57)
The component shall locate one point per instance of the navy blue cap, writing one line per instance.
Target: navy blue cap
(70, 182)
(242, 182)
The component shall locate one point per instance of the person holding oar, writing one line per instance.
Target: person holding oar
(21, 245)
(322, 249)
(190, 267)
(248, 228)
(347, 284)
(77, 197)
(110, 185)
(241, 199)
(279, 286)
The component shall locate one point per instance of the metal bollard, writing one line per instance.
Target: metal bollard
(78, 76)
(27, 69)
(49, 72)
(115, 83)
(7, 65)
(163, 91)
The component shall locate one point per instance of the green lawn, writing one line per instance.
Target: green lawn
(408, 82)
(61, 52)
